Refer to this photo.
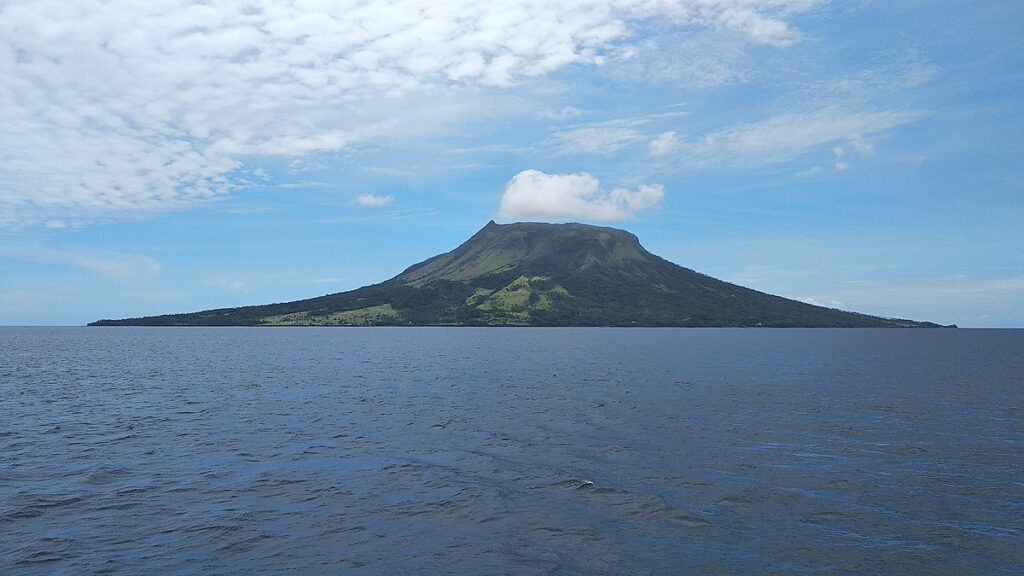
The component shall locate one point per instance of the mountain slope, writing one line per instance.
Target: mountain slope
(533, 274)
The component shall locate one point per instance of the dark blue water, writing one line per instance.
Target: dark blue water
(511, 451)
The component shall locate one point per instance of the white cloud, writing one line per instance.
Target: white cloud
(967, 300)
(961, 287)
(299, 165)
(703, 60)
(372, 201)
(534, 195)
(857, 142)
(606, 138)
(229, 284)
(772, 140)
(324, 281)
(603, 140)
(861, 146)
(786, 136)
(106, 263)
(811, 172)
(826, 304)
(389, 171)
(663, 145)
(760, 21)
(112, 107)
(565, 113)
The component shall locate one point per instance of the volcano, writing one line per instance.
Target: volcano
(535, 274)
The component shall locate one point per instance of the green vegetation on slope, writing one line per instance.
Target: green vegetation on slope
(370, 316)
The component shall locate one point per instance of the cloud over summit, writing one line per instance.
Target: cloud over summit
(535, 195)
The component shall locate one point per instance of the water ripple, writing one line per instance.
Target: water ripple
(455, 451)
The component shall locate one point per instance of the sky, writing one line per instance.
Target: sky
(163, 156)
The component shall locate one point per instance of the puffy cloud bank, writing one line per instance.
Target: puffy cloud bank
(121, 106)
(534, 195)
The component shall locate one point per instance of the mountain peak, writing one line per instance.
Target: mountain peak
(540, 274)
(532, 248)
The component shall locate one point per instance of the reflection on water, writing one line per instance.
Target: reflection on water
(511, 451)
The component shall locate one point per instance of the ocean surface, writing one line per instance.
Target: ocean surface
(511, 451)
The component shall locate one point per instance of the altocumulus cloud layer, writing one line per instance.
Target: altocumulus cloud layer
(123, 107)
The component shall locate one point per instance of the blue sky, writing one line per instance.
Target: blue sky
(171, 156)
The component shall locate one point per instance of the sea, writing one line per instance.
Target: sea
(514, 451)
